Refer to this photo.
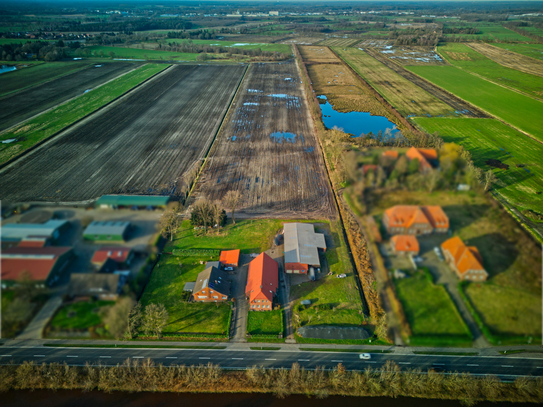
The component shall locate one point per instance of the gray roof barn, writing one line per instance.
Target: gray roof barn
(302, 244)
(89, 284)
(216, 264)
(213, 278)
(19, 231)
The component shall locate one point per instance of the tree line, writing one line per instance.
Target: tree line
(47, 51)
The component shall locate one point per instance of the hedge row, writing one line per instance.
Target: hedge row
(196, 252)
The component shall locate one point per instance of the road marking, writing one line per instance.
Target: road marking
(472, 365)
(138, 357)
(39, 356)
(439, 364)
(404, 363)
(337, 360)
(171, 357)
(203, 358)
(270, 359)
(303, 360)
(237, 358)
(369, 361)
(507, 366)
(107, 357)
(72, 356)
(6, 356)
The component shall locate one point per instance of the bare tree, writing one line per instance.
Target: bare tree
(202, 213)
(116, 318)
(217, 210)
(431, 179)
(133, 321)
(232, 200)
(490, 179)
(170, 221)
(155, 319)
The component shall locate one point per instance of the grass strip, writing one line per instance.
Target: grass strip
(511, 352)
(344, 350)
(264, 348)
(447, 353)
(46, 125)
(74, 345)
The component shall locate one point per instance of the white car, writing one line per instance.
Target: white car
(365, 356)
(229, 269)
(341, 275)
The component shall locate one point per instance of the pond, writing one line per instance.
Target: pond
(356, 123)
(7, 68)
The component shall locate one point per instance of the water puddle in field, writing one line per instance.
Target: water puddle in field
(6, 68)
(279, 136)
(10, 140)
(356, 123)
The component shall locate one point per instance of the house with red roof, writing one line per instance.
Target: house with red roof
(121, 255)
(466, 261)
(415, 220)
(405, 244)
(393, 154)
(43, 264)
(427, 157)
(229, 258)
(262, 283)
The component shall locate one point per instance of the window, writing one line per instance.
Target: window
(254, 306)
(202, 296)
(268, 306)
(258, 306)
(215, 296)
(211, 291)
(224, 297)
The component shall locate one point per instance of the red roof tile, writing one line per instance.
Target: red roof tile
(38, 261)
(119, 254)
(405, 243)
(229, 257)
(263, 278)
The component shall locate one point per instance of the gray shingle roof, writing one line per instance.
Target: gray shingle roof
(213, 278)
(302, 244)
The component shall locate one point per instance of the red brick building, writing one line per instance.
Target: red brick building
(212, 285)
(262, 283)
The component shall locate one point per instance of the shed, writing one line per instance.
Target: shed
(301, 247)
(189, 286)
(229, 258)
(130, 201)
(48, 231)
(107, 231)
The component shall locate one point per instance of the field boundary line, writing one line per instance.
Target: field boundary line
(206, 156)
(78, 122)
(66, 101)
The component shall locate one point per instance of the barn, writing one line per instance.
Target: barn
(302, 246)
(262, 283)
(107, 231)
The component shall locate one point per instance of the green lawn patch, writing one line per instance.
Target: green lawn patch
(75, 345)
(481, 65)
(446, 353)
(432, 316)
(47, 124)
(282, 48)
(263, 348)
(135, 53)
(519, 110)
(511, 352)
(530, 50)
(265, 323)
(80, 315)
(379, 342)
(344, 350)
(491, 139)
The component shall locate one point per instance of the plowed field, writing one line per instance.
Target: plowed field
(141, 144)
(19, 106)
(268, 151)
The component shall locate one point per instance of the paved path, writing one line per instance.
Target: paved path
(35, 328)
(239, 280)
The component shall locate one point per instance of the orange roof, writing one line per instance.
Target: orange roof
(390, 153)
(263, 278)
(405, 243)
(436, 216)
(465, 258)
(367, 167)
(423, 155)
(407, 215)
(229, 257)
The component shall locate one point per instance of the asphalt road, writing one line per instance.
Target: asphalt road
(504, 367)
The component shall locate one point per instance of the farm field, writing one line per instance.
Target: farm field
(17, 107)
(339, 42)
(36, 73)
(405, 55)
(283, 48)
(491, 31)
(521, 111)
(529, 50)
(491, 139)
(510, 59)
(268, 151)
(317, 53)
(457, 105)
(143, 54)
(469, 59)
(27, 134)
(131, 146)
(430, 312)
(406, 97)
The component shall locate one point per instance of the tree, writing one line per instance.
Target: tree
(232, 200)
(133, 321)
(414, 166)
(111, 54)
(202, 214)
(155, 319)
(19, 310)
(219, 215)
(116, 318)
(170, 222)
(431, 179)
(401, 166)
(26, 286)
(490, 179)
(350, 163)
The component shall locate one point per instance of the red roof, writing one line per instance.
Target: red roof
(119, 254)
(405, 243)
(229, 257)
(263, 278)
(38, 261)
(465, 258)
(424, 155)
(32, 243)
(407, 215)
(390, 153)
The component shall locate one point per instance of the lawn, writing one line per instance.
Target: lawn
(530, 50)
(405, 96)
(80, 315)
(432, 316)
(519, 110)
(51, 122)
(473, 61)
(265, 323)
(489, 138)
(36, 73)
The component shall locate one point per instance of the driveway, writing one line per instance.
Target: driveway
(35, 328)
(239, 280)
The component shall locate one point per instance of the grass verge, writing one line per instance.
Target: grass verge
(344, 350)
(71, 345)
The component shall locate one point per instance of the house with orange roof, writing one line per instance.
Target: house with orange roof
(262, 283)
(405, 244)
(466, 261)
(391, 154)
(229, 258)
(427, 157)
(369, 167)
(415, 220)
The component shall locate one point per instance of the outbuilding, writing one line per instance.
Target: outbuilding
(132, 202)
(101, 286)
(107, 231)
(302, 246)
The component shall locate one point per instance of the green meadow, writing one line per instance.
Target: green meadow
(530, 50)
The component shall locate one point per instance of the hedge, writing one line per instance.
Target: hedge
(195, 252)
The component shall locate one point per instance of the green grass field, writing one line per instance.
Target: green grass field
(431, 314)
(493, 71)
(36, 73)
(530, 50)
(493, 31)
(519, 110)
(49, 123)
(489, 138)
(84, 315)
(265, 323)
(136, 53)
(283, 48)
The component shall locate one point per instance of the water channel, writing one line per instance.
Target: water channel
(7, 68)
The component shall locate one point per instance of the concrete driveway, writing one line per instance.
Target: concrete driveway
(238, 282)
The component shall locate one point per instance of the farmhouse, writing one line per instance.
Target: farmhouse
(212, 285)
(132, 201)
(391, 153)
(229, 258)
(427, 157)
(404, 244)
(101, 286)
(42, 264)
(465, 261)
(301, 247)
(107, 231)
(121, 255)
(33, 234)
(415, 220)
(262, 283)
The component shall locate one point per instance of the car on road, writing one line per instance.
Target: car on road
(341, 275)
(438, 253)
(365, 356)
(418, 259)
(229, 269)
